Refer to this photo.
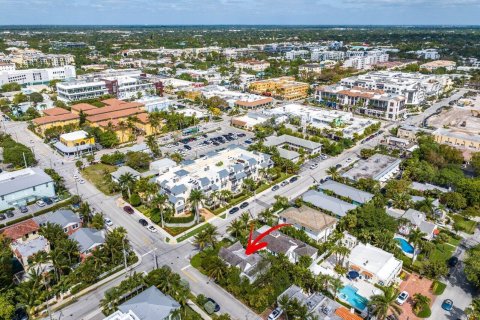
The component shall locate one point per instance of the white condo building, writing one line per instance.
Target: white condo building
(415, 87)
(79, 90)
(37, 76)
(216, 171)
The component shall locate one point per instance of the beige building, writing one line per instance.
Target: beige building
(283, 88)
(254, 65)
(434, 65)
(458, 138)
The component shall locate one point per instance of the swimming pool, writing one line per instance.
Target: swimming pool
(349, 294)
(406, 247)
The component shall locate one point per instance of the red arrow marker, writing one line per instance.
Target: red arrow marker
(255, 245)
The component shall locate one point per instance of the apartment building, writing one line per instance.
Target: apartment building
(297, 54)
(375, 103)
(321, 55)
(126, 87)
(310, 68)
(415, 87)
(80, 90)
(155, 103)
(362, 60)
(327, 119)
(283, 88)
(7, 66)
(233, 98)
(36, 76)
(428, 54)
(32, 57)
(378, 167)
(458, 138)
(254, 65)
(222, 170)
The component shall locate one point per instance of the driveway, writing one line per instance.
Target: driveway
(414, 284)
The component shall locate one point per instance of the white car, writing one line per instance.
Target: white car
(75, 176)
(314, 166)
(81, 181)
(276, 313)
(108, 222)
(40, 203)
(152, 229)
(402, 297)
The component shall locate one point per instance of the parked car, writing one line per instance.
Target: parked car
(143, 222)
(276, 313)
(47, 200)
(314, 166)
(40, 203)
(447, 305)
(244, 205)
(452, 262)
(9, 214)
(217, 307)
(248, 141)
(241, 135)
(293, 179)
(108, 222)
(23, 209)
(81, 181)
(275, 188)
(186, 146)
(233, 210)
(284, 183)
(152, 229)
(402, 297)
(2, 216)
(128, 209)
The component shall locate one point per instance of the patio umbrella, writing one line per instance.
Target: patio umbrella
(353, 274)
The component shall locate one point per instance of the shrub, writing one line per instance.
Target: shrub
(135, 200)
(438, 287)
(425, 312)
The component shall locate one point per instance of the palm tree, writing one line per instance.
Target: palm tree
(235, 227)
(333, 172)
(195, 198)
(244, 218)
(381, 304)
(415, 237)
(126, 181)
(122, 125)
(201, 240)
(420, 300)
(211, 234)
(153, 146)
(249, 184)
(335, 285)
(159, 202)
(340, 253)
(225, 194)
(284, 303)
(473, 310)
(217, 269)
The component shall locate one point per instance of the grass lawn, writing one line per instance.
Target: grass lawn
(192, 233)
(463, 224)
(96, 173)
(438, 287)
(175, 231)
(442, 252)
(454, 242)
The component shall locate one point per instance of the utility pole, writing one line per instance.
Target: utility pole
(124, 254)
(24, 160)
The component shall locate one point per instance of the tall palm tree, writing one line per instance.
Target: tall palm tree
(126, 181)
(335, 285)
(381, 304)
(225, 194)
(333, 172)
(415, 237)
(284, 303)
(235, 227)
(201, 240)
(211, 234)
(196, 197)
(159, 202)
(217, 269)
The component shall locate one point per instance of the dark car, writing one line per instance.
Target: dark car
(217, 307)
(186, 146)
(2, 216)
(275, 188)
(128, 209)
(216, 143)
(452, 262)
(9, 214)
(143, 222)
(244, 205)
(233, 210)
(205, 135)
(248, 141)
(23, 209)
(293, 179)
(241, 135)
(47, 201)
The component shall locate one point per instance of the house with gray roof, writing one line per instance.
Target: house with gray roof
(357, 196)
(378, 167)
(294, 144)
(151, 304)
(24, 250)
(23, 186)
(335, 206)
(251, 266)
(88, 239)
(279, 243)
(162, 165)
(124, 170)
(67, 219)
(415, 220)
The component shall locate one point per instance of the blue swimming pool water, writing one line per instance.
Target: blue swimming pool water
(406, 247)
(350, 295)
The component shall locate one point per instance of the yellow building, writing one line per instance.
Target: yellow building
(457, 138)
(283, 88)
(44, 123)
(75, 143)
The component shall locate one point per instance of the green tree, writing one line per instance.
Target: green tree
(196, 197)
(384, 303)
(7, 306)
(420, 301)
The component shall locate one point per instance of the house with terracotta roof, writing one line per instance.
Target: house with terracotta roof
(55, 111)
(81, 107)
(43, 123)
(21, 232)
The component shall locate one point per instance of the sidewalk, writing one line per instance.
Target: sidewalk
(198, 310)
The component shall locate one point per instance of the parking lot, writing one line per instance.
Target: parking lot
(31, 209)
(214, 141)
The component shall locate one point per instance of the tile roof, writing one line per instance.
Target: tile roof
(114, 114)
(55, 111)
(82, 107)
(20, 229)
(53, 119)
(345, 314)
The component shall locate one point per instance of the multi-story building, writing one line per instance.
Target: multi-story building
(415, 87)
(321, 55)
(32, 57)
(458, 138)
(126, 87)
(75, 143)
(375, 103)
(37, 76)
(222, 170)
(233, 98)
(155, 103)
(254, 65)
(361, 60)
(80, 90)
(295, 54)
(428, 54)
(7, 66)
(310, 69)
(284, 88)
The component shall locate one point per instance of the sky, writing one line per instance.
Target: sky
(206, 12)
